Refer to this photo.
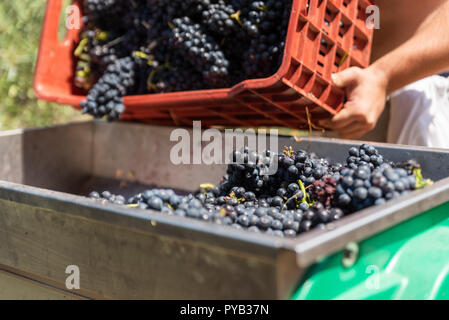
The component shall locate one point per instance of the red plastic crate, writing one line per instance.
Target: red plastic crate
(324, 36)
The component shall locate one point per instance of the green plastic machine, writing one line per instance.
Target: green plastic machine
(408, 261)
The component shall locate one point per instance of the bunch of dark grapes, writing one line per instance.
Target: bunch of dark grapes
(218, 18)
(300, 165)
(366, 155)
(364, 184)
(105, 97)
(266, 24)
(201, 50)
(249, 170)
(252, 14)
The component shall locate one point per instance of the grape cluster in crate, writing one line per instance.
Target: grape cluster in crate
(306, 192)
(158, 46)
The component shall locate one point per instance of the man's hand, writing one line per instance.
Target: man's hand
(366, 91)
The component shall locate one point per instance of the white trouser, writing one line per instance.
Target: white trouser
(419, 114)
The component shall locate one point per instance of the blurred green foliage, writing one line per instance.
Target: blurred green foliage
(20, 27)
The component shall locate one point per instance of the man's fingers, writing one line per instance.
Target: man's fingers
(346, 77)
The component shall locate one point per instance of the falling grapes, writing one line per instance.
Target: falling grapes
(307, 192)
(105, 97)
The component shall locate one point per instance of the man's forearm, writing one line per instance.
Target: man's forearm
(425, 54)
